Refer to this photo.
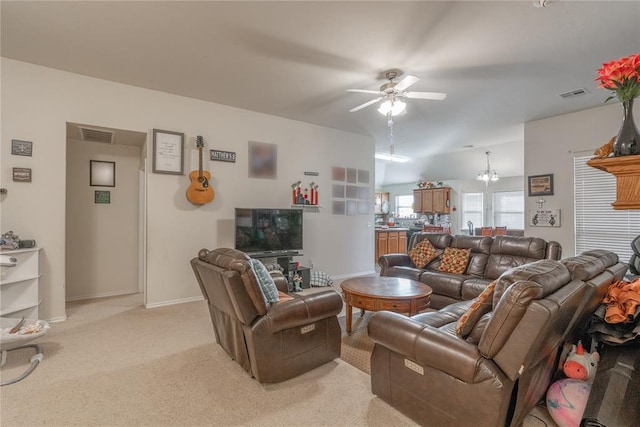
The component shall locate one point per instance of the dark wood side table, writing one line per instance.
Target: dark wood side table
(385, 293)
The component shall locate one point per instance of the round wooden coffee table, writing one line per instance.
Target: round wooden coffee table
(385, 293)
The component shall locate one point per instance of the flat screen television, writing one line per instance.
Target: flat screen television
(268, 230)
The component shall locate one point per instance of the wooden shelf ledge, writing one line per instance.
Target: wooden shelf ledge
(626, 169)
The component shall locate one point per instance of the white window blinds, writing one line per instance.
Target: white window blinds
(597, 225)
(472, 206)
(508, 209)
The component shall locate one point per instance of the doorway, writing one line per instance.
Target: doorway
(105, 215)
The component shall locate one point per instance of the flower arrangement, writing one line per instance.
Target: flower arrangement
(621, 76)
(424, 184)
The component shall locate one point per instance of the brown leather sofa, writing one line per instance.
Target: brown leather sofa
(501, 370)
(490, 257)
(273, 343)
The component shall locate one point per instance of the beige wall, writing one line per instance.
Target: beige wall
(36, 104)
(550, 146)
(102, 239)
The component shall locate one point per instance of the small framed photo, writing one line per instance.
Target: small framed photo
(102, 197)
(21, 148)
(102, 174)
(263, 160)
(541, 185)
(22, 174)
(168, 152)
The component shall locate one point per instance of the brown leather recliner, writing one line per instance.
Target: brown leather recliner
(273, 343)
(498, 373)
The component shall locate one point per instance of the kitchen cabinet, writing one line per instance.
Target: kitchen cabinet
(432, 200)
(390, 241)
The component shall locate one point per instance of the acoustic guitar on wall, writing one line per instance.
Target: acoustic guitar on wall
(200, 190)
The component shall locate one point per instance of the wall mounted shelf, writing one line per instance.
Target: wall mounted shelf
(306, 206)
(626, 169)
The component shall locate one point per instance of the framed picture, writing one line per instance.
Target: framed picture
(168, 152)
(21, 148)
(102, 197)
(541, 185)
(263, 160)
(22, 174)
(544, 218)
(102, 174)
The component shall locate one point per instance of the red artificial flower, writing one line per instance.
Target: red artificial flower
(621, 76)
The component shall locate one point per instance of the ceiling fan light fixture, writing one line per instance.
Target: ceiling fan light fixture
(394, 107)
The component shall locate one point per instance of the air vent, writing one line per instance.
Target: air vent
(97, 135)
(574, 93)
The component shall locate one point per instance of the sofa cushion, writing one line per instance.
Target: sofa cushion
(439, 240)
(473, 287)
(448, 284)
(510, 251)
(265, 281)
(423, 253)
(404, 272)
(454, 260)
(584, 267)
(607, 257)
(480, 306)
(480, 249)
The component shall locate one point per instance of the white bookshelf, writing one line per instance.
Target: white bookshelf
(20, 293)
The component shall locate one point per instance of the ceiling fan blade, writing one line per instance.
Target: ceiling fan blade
(406, 82)
(375, 92)
(436, 96)
(366, 104)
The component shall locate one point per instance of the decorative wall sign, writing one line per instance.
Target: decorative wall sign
(21, 148)
(102, 174)
(168, 152)
(222, 156)
(308, 173)
(544, 217)
(102, 197)
(22, 174)
(263, 160)
(541, 185)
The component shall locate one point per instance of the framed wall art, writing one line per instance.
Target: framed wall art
(21, 148)
(168, 152)
(263, 160)
(541, 185)
(102, 197)
(22, 174)
(102, 174)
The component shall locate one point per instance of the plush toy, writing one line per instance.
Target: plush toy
(567, 400)
(580, 365)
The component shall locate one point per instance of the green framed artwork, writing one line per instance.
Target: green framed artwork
(102, 197)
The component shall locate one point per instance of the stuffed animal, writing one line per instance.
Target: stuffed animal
(580, 365)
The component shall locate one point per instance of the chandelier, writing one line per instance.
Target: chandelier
(391, 156)
(488, 175)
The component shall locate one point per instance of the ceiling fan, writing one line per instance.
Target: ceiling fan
(392, 93)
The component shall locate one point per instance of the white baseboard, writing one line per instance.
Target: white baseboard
(172, 302)
(101, 295)
(57, 319)
(350, 275)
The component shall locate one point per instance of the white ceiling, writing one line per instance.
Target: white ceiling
(501, 63)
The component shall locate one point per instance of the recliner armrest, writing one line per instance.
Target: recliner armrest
(300, 311)
(426, 345)
(393, 260)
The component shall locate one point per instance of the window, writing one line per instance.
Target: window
(472, 204)
(404, 206)
(597, 225)
(508, 209)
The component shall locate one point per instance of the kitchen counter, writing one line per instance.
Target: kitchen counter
(392, 228)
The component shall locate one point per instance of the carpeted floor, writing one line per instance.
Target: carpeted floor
(357, 347)
(115, 363)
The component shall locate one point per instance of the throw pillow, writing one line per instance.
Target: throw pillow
(481, 306)
(265, 281)
(320, 278)
(423, 253)
(455, 260)
(282, 297)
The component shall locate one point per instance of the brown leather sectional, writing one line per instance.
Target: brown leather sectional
(272, 342)
(490, 257)
(501, 370)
